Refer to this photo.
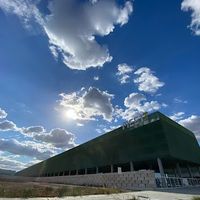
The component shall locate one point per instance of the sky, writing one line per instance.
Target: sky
(73, 70)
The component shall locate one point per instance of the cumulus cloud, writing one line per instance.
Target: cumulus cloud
(147, 81)
(136, 104)
(123, 72)
(10, 163)
(88, 104)
(33, 130)
(26, 148)
(72, 26)
(192, 123)
(41, 144)
(3, 114)
(8, 126)
(177, 116)
(38, 145)
(134, 100)
(124, 69)
(194, 6)
(100, 101)
(59, 138)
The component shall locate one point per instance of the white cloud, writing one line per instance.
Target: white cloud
(96, 78)
(123, 15)
(194, 6)
(136, 104)
(3, 114)
(123, 71)
(24, 9)
(134, 100)
(98, 130)
(54, 51)
(8, 163)
(79, 124)
(13, 162)
(88, 104)
(8, 126)
(192, 123)
(147, 81)
(32, 130)
(110, 128)
(72, 26)
(177, 116)
(178, 100)
(42, 144)
(27, 148)
(164, 105)
(39, 146)
(124, 79)
(59, 138)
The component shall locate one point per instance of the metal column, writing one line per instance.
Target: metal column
(131, 166)
(111, 168)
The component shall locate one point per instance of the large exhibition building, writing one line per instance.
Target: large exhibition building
(150, 142)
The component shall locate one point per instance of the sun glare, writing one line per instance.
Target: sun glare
(71, 114)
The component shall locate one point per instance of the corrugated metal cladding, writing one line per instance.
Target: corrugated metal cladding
(157, 137)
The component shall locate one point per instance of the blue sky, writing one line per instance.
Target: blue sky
(72, 70)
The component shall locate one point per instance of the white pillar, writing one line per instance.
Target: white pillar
(111, 168)
(97, 170)
(160, 166)
(199, 170)
(131, 166)
(119, 170)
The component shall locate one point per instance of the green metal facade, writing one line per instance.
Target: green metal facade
(163, 138)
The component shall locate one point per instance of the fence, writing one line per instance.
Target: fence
(173, 182)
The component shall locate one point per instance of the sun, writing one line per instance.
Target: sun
(71, 114)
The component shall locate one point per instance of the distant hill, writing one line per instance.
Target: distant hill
(6, 172)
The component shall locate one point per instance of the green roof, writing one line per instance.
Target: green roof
(161, 137)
